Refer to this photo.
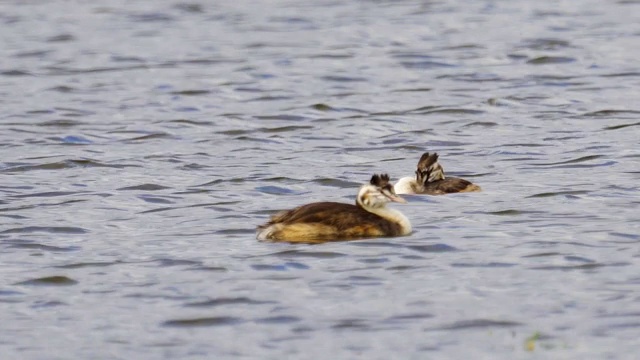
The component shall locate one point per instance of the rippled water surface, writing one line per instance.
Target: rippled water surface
(143, 141)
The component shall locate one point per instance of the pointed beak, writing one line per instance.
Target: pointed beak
(396, 198)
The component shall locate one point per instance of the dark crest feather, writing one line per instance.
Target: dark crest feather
(379, 180)
(427, 160)
(425, 164)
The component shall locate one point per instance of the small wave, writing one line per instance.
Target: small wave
(87, 264)
(610, 113)
(270, 267)
(484, 265)
(409, 317)
(49, 281)
(433, 248)
(621, 126)
(426, 64)
(513, 212)
(336, 78)
(545, 44)
(46, 229)
(36, 246)
(572, 161)
(284, 129)
(61, 38)
(15, 72)
(61, 123)
(622, 74)
(65, 71)
(155, 199)
(588, 266)
(375, 243)
(282, 319)
(72, 140)
(484, 124)
(46, 304)
(66, 164)
(145, 187)
(235, 231)
(190, 92)
(209, 268)
(358, 324)
(322, 107)
(175, 262)
(204, 322)
(190, 122)
(307, 254)
(275, 190)
(478, 323)
(343, 184)
(559, 193)
(153, 136)
(228, 301)
(282, 117)
(151, 17)
(542, 60)
(269, 98)
(542, 254)
(418, 89)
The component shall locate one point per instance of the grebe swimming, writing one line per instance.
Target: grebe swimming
(332, 221)
(430, 180)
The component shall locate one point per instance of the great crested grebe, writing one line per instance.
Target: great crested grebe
(430, 180)
(332, 221)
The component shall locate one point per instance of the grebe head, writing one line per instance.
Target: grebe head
(429, 170)
(377, 193)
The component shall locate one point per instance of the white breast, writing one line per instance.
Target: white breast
(406, 185)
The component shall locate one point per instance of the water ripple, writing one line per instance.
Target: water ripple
(66, 164)
(36, 246)
(46, 229)
(145, 187)
(142, 144)
(588, 266)
(435, 248)
(278, 320)
(227, 301)
(87, 265)
(49, 281)
(204, 322)
(307, 254)
(478, 323)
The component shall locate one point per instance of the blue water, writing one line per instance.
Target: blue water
(142, 143)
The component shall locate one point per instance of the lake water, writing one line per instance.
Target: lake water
(143, 141)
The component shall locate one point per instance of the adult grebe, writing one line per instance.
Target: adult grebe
(332, 221)
(430, 180)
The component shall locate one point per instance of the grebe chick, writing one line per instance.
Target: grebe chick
(430, 180)
(332, 221)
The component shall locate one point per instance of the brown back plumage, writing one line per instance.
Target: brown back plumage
(449, 185)
(338, 221)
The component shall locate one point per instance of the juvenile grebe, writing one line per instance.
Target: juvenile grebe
(332, 221)
(430, 180)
